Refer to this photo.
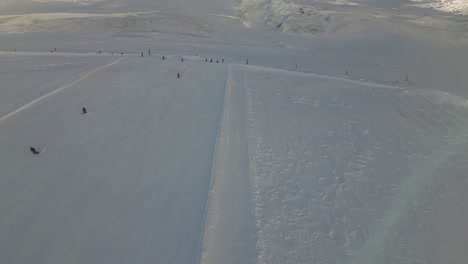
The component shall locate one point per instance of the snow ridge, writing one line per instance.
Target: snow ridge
(211, 191)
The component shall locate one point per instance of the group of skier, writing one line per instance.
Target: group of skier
(217, 61)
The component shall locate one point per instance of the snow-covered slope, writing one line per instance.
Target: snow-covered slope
(126, 182)
(341, 171)
(317, 151)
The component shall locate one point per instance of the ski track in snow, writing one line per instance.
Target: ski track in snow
(229, 216)
(26, 106)
(211, 191)
(276, 229)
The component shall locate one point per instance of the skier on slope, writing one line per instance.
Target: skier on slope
(34, 151)
(83, 111)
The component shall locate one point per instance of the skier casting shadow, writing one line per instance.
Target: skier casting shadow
(34, 151)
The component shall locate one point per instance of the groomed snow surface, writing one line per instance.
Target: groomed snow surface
(125, 183)
(289, 159)
(228, 164)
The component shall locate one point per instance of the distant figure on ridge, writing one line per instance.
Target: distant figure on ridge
(164, 57)
(178, 75)
(34, 151)
(83, 111)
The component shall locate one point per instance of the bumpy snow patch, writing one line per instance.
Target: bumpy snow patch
(346, 173)
(285, 15)
(451, 6)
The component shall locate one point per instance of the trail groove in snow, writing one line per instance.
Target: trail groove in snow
(230, 231)
(5, 117)
(212, 177)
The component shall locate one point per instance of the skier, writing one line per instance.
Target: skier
(182, 59)
(178, 75)
(34, 151)
(83, 111)
(164, 57)
(211, 60)
(217, 61)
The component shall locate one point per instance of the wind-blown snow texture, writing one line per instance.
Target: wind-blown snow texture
(329, 159)
(317, 151)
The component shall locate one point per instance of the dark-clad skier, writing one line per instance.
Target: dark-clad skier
(34, 151)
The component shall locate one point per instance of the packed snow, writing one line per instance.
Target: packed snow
(243, 131)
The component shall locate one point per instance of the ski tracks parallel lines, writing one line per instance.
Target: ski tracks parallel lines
(26, 106)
